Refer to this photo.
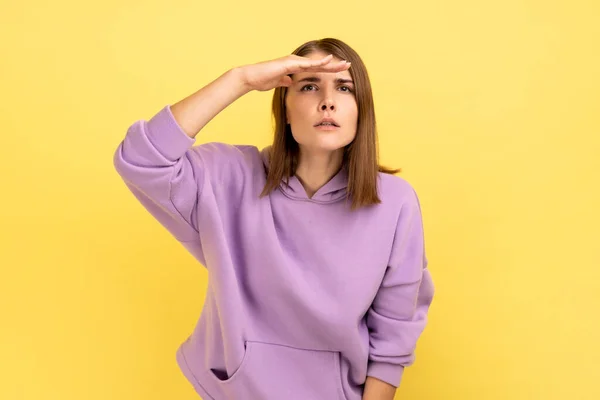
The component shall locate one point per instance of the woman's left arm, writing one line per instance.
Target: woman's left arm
(398, 314)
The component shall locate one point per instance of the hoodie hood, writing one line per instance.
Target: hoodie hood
(334, 190)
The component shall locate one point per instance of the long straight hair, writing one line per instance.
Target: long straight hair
(360, 156)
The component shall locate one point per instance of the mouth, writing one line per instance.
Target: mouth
(327, 127)
(327, 122)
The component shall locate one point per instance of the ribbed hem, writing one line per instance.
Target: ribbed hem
(167, 136)
(390, 373)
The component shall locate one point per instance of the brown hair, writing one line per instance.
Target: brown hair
(360, 157)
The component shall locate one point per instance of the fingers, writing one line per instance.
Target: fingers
(331, 68)
(337, 66)
(324, 64)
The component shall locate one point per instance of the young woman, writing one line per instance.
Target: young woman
(318, 286)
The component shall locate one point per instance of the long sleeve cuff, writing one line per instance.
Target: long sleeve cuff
(390, 373)
(167, 136)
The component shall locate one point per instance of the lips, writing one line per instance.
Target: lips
(327, 127)
(327, 122)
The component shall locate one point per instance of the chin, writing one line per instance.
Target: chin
(324, 145)
(323, 141)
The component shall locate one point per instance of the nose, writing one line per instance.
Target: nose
(327, 100)
(327, 104)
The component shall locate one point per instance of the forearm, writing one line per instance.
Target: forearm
(376, 389)
(195, 111)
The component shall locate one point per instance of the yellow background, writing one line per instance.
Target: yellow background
(491, 108)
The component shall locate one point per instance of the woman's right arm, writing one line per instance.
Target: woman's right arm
(195, 111)
(156, 160)
(157, 165)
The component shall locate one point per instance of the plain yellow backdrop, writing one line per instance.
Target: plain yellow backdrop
(491, 107)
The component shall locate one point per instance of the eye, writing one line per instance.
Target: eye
(349, 89)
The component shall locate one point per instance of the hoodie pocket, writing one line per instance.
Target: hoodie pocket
(274, 372)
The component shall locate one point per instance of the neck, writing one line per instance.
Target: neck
(315, 169)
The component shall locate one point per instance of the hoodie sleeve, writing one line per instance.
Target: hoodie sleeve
(398, 314)
(154, 162)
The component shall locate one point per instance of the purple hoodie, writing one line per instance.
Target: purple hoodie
(305, 298)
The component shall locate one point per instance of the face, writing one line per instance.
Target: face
(317, 95)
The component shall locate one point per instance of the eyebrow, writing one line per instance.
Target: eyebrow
(318, 80)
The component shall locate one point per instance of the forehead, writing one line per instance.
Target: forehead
(315, 55)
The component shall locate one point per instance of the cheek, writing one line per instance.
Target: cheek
(351, 115)
(298, 110)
